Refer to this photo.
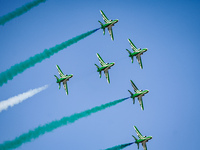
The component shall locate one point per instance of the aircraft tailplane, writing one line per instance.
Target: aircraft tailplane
(98, 70)
(130, 55)
(57, 80)
(102, 27)
(128, 51)
(132, 59)
(56, 77)
(135, 141)
(132, 96)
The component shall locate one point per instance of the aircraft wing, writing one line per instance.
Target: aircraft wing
(132, 45)
(139, 61)
(111, 32)
(141, 102)
(138, 132)
(107, 76)
(59, 71)
(144, 145)
(101, 60)
(104, 16)
(134, 86)
(65, 86)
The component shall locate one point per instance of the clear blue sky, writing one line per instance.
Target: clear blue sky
(170, 31)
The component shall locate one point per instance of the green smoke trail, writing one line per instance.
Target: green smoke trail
(22, 66)
(33, 134)
(19, 11)
(118, 147)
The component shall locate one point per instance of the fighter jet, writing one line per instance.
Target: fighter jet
(108, 24)
(136, 52)
(104, 67)
(142, 139)
(138, 93)
(63, 79)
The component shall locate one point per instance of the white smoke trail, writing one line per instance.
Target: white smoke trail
(19, 98)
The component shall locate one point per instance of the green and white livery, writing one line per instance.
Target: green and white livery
(142, 139)
(108, 24)
(104, 67)
(138, 94)
(63, 78)
(136, 52)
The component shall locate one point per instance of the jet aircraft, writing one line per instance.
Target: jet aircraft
(138, 93)
(108, 24)
(63, 78)
(136, 52)
(142, 139)
(104, 67)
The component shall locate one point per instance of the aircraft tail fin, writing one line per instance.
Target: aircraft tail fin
(132, 96)
(135, 141)
(56, 77)
(130, 55)
(57, 80)
(98, 70)
(102, 27)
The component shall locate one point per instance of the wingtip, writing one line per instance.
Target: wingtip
(108, 81)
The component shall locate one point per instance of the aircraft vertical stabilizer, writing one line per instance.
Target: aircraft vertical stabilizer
(98, 70)
(102, 27)
(132, 96)
(136, 140)
(57, 80)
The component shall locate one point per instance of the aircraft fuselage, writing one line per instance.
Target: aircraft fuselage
(111, 23)
(105, 67)
(140, 93)
(144, 139)
(140, 52)
(64, 78)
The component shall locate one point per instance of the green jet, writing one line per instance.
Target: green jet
(138, 93)
(108, 24)
(142, 139)
(63, 79)
(104, 67)
(136, 52)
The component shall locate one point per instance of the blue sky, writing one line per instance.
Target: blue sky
(170, 31)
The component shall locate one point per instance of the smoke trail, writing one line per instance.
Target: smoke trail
(20, 98)
(19, 11)
(22, 66)
(33, 134)
(118, 147)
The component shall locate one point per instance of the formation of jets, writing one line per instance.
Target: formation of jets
(106, 66)
(142, 139)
